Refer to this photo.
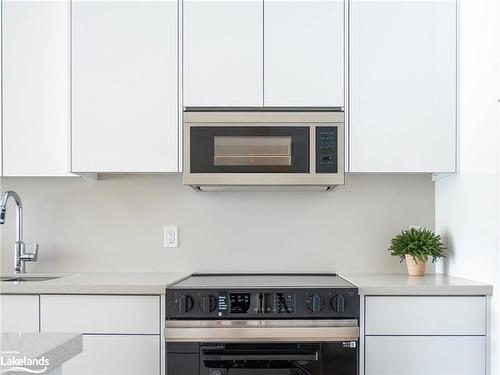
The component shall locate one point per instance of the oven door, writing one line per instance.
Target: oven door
(327, 358)
(262, 347)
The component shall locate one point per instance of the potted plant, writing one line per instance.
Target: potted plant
(416, 245)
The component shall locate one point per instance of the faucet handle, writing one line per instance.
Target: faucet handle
(30, 257)
(34, 254)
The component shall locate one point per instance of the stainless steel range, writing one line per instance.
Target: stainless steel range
(262, 324)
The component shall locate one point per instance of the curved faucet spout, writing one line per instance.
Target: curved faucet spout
(3, 212)
(7, 195)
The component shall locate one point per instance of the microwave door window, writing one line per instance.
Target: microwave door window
(249, 149)
(253, 150)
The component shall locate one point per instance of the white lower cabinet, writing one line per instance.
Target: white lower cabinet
(426, 315)
(425, 355)
(425, 335)
(116, 354)
(19, 313)
(100, 314)
(122, 333)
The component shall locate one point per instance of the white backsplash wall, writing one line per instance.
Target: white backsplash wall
(116, 224)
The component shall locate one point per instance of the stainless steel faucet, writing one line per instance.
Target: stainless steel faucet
(20, 254)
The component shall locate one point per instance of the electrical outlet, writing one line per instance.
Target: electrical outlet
(170, 237)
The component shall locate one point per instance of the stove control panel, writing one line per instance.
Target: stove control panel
(256, 303)
(262, 304)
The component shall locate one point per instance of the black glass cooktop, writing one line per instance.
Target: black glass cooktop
(255, 280)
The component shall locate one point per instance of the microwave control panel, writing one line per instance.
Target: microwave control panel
(326, 149)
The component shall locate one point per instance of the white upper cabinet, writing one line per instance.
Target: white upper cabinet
(1, 109)
(222, 53)
(35, 76)
(403, 86)
(304, 53)
(263, 53)
(124, 86)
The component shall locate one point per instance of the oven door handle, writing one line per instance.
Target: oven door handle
(261, 357)
(253, 334)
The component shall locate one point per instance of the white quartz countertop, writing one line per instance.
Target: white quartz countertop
(93, 283)
(402, 284)
(155, 284)
(37, 351)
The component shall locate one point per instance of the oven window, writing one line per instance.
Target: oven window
(339, 358)
(249, 149)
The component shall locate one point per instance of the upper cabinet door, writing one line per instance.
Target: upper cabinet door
(124, 85)
(304, 53)
(35, 75)
(1, 109)
(403, 86)
(222, 53)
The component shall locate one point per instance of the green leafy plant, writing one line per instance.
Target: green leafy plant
(420, 243)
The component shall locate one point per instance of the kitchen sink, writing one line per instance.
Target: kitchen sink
(27, 278)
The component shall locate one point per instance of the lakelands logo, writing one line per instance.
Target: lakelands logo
(11, 361)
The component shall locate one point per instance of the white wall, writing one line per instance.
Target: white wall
(467, 204)
(116, 224)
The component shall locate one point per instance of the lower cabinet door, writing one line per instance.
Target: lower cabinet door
(19, 313)
(116, 354)
(425, 355)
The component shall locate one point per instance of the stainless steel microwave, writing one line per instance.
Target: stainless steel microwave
(263, 147)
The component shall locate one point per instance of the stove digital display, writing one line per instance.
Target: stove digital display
(240, 303)
(256, 303)
(276, 303)
(283, 303)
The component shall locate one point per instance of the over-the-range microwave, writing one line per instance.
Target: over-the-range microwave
(263, 147)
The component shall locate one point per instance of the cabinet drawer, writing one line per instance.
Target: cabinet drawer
(440, 315)
(19, 313)
(425, 355)
(100, 314)
(110, 355)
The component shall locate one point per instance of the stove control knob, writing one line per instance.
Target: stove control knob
(208, 304)
(184, 303)
(314, 304)
(338, 303)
